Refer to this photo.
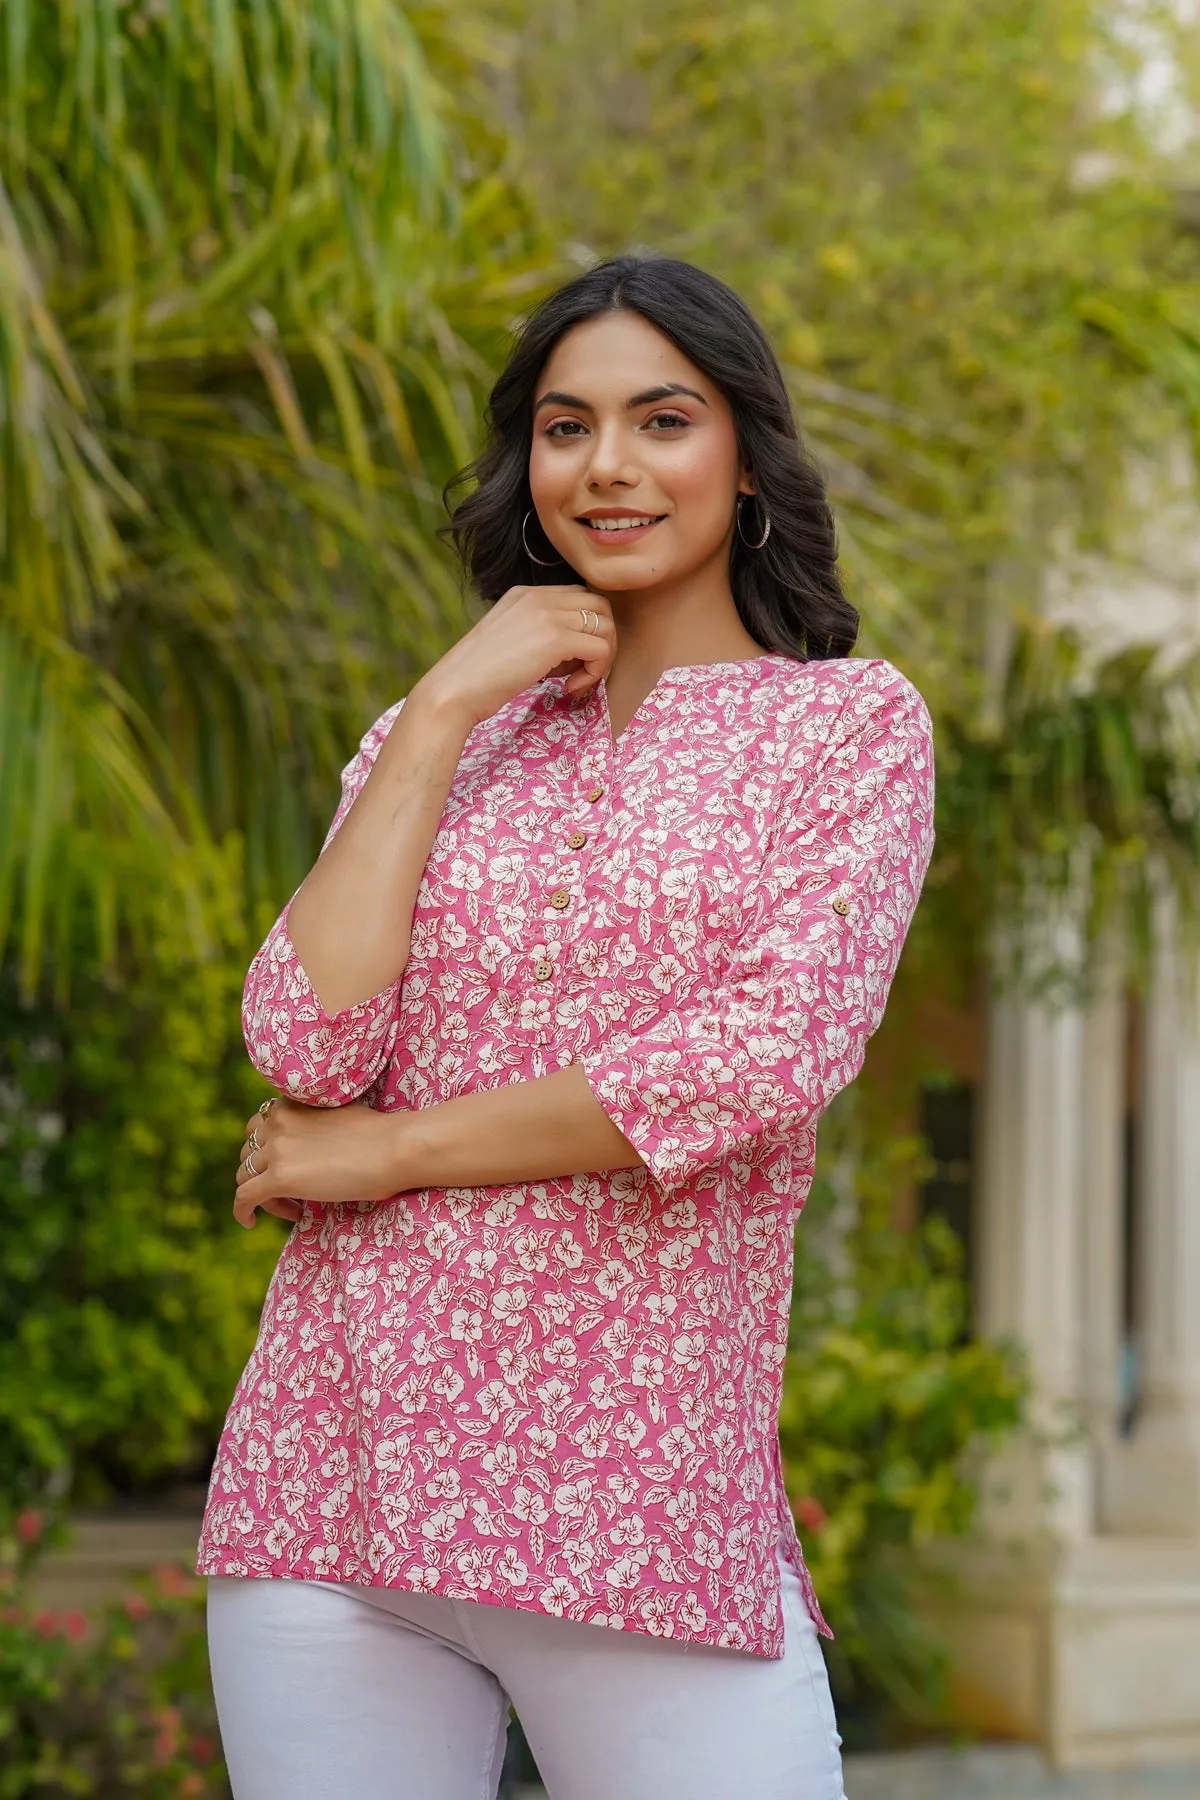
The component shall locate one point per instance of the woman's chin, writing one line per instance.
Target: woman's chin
(617, 573)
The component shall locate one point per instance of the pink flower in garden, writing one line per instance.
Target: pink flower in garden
(202, 1749)
(74, 1626)
(172, 1582)
(136, 1606)
(45, 1624)
(810, 1514)
(191, 1785)
(29, 1525)
(169, 1721)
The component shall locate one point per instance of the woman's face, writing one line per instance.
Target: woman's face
(634, 465)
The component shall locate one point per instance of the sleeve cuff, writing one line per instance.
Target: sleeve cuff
(675, 1128)
(306, 1052)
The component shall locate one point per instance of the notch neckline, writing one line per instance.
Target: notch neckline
(721, 666)
(676, 672)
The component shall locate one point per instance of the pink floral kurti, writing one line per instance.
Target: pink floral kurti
(562, 1396)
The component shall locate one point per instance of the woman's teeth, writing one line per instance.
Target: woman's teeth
(619, 524)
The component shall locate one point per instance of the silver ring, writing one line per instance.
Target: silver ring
(583, 613)
(254, 1141)
(251, 1164)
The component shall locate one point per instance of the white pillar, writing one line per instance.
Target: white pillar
(1153, 1481)
(1030, 1237)
(1102, 1211)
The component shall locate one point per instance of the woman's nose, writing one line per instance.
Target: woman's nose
(612, 458)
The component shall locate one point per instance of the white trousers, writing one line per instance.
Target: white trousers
(329, 1691)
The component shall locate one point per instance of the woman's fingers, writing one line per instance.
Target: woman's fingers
(255, 1187)
(318, 1155)
(250, 1155)
(595, 654)
(257, 1191)
(257, 1133)
(585, 669)
(283, 1209)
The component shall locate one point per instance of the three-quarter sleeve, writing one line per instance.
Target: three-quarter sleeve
(309, 1054)
(807, 979)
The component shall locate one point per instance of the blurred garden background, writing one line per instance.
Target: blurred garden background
(259, 260)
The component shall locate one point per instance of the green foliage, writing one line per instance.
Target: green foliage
(886, 1405)
(965, 240)
(127, 1296)
(1087, 784)
(253, 269)
(942, 227)
(110, 1703)
(256, 261)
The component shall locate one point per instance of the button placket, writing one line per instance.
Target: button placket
(592, 770)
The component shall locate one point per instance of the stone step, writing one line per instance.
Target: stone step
(1008, 1772)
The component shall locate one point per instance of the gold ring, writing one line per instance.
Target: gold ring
(594, 628)
(251, 1165)
(265, 1108)
(583, 615)
(254, 1141)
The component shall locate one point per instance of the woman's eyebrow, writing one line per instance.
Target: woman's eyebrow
(664, 392)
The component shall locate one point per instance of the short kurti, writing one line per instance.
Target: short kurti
(562, 1395)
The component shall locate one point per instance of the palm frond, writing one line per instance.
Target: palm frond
(1088, 788)
(248, 305)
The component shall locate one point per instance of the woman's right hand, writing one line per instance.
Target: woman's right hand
(530, 632)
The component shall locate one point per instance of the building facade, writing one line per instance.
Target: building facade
(1078, 1620)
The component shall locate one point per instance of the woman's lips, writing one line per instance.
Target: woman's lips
(624, 534)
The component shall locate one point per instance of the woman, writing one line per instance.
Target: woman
(606, 915)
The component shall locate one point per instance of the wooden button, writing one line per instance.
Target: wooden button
(560, 898)
(841, 905)
(543, 968)
(595, 793)
(577, 840)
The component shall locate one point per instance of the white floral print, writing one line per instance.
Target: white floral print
(563, 1395)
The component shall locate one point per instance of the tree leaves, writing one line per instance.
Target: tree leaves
(244, 330)
(972, 264)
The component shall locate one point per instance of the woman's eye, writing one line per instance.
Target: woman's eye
(668, 420)
(564, 428)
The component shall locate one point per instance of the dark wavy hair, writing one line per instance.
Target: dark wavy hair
(788, 594)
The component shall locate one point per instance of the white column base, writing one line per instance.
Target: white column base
(1087, 1647)
(1150, 1483)
(1032, 1489)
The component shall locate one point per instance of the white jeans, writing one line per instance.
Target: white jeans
(335, 1692)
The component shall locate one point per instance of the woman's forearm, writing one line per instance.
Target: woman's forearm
(351, 921)
(523, 1131)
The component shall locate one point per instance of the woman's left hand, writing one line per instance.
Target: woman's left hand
(329, 1154)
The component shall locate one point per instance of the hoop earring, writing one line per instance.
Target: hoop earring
(766, 525)
(529, 553)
